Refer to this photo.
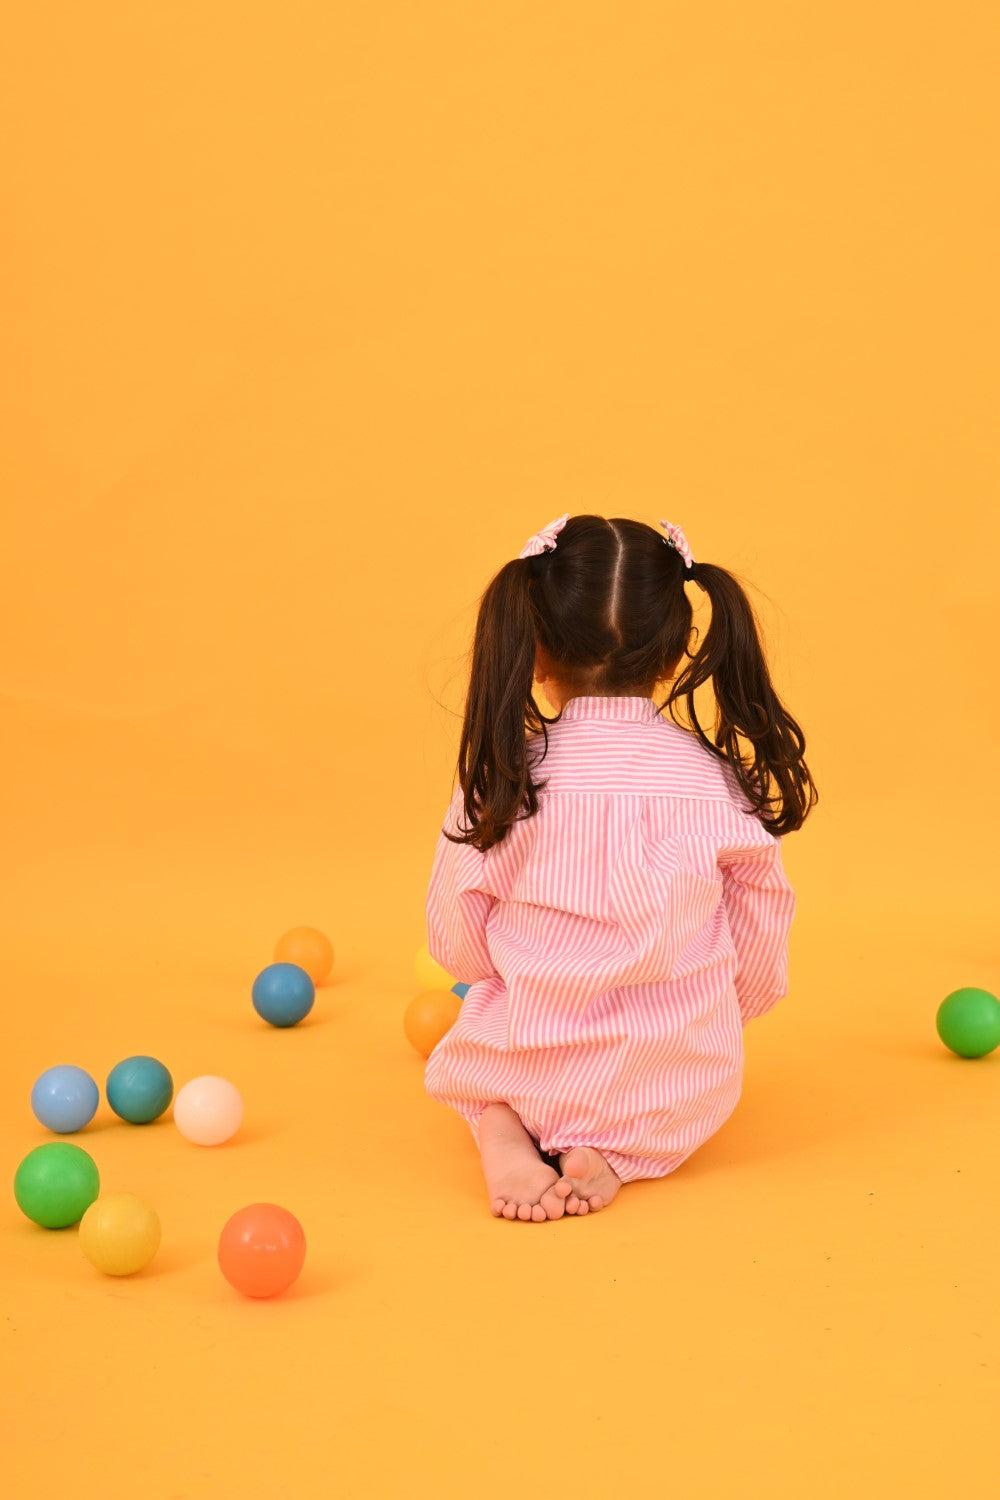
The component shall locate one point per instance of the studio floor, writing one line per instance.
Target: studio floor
(806, 1308)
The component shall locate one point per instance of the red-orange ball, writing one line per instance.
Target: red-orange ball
(307, 947)
(262, 1249)
(430, 1016)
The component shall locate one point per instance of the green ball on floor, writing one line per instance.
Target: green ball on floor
(968, 1021)
(56, 1184)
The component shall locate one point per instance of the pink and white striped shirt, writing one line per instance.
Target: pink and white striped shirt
(616, 943)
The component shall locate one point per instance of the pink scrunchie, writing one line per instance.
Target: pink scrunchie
(676, 538)
(544, 540)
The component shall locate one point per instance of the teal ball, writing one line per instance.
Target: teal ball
(139, 1089)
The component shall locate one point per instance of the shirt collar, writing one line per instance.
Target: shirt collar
(591, 706)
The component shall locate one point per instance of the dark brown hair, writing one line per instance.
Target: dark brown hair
(608, 605)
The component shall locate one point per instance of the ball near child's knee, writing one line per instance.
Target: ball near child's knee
(283, 994)
(968, 1021)
(429, 973)
(65, 1099)
(429, 1017)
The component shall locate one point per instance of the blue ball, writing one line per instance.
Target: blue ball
(139, 1089)
(283, 994)
(65, 1099)
(460, 989)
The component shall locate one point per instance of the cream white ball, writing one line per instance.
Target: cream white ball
(208, 1110)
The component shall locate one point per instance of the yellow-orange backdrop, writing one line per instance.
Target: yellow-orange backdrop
(313, 314)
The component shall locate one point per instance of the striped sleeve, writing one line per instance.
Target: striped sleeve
(458, 904)
(760, 905)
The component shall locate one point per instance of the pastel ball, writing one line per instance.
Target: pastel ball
(56, 1184)
(429, 1017)
(139, 1089)
(119, 1234)
(283, 994)
(262, 1250)
(968, 1022)
(208, 1110)
(307, 947)
(65, 1099)
(429, 973)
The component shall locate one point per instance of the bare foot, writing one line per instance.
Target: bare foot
(587, 1182)
(519, 1183)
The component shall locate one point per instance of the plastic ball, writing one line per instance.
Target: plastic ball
(208, 1110)
(56, 1184)
(307, 947)
(65, 1099)
(119, 1234)
(283, 994)
(968, 1021)
(262, 1249)
(429, 973)
(461, 990)
(430, 1016)
(139, 1089)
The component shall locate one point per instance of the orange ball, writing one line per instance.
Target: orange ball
(307, 947)
(428, 1017)
(262, 1249)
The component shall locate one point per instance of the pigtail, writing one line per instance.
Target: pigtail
(500, 710)
(772, 773)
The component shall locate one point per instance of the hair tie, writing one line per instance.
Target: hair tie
(544, 540)
(675, 538)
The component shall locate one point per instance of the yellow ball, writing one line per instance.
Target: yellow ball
(429, 973)
(119, 1234)
(307, 947)
(430, 1016)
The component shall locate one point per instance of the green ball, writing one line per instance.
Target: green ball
(968, 1021)
(56, 1184)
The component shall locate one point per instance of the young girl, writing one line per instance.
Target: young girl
(620, 921)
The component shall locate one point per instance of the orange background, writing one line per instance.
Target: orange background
(313, 314)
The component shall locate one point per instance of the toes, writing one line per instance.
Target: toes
(574, 1163)
(534, 1199)
(595, 1203)
(572, 1203)
(583, 1209)
(563, 1187)
(554, 1206)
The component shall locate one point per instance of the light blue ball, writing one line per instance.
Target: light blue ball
(65, 1099)
(139, 1089)
(283, 994)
